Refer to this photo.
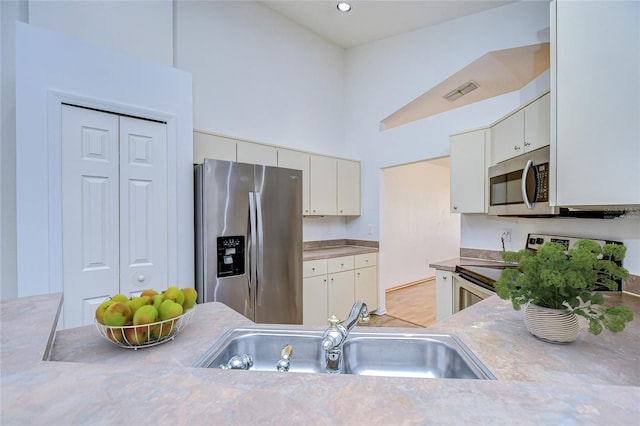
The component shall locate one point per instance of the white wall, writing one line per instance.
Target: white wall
(47, 64)
(383, 76)
(138, 27)
(258, 76)
(483, 232)
(416, 226)
(10, 11)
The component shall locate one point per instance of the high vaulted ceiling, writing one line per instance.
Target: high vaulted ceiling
(374, 20)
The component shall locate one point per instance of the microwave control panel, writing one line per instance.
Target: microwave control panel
(543, 182)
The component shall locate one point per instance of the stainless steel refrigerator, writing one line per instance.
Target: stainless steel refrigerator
(249, 239)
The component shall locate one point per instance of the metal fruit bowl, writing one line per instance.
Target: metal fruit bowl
(142, 336)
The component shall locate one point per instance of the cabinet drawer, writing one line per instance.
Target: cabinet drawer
(312, 268)
(339, 264)
(364, 260)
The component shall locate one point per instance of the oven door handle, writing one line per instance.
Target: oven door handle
(525, 172)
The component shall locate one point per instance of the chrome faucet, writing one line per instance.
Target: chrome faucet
(334, 337)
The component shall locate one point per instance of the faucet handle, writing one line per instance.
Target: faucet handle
(333, 321)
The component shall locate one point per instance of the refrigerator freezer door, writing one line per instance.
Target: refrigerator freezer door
(279, 240)
(223, 211)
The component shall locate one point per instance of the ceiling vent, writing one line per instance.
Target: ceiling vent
(461, 91)
(493, 74)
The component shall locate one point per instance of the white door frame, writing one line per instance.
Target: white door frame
(54, 164)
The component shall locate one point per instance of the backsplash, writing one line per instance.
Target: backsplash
(630, 285)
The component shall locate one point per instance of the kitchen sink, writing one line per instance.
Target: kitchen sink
(265, 347)
(364, 353)
(411, 355)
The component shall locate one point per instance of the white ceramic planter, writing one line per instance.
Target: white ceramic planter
(551, 325)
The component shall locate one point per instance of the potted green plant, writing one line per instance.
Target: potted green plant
(562, 283)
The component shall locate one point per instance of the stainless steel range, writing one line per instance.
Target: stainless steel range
(474, 282)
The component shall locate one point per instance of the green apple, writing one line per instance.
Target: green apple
(190, 296)
(175, 294)
(117, 314)
(170, 309)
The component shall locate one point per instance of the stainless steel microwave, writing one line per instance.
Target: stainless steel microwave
(520, 186)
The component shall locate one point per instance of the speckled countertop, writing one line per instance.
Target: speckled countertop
(318, 250)
(591, 381)
(329, 252)
(450, 264)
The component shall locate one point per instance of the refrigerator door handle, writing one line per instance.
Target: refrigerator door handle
(252, 246)
(260, 246)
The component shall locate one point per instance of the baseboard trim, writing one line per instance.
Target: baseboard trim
(402, 286)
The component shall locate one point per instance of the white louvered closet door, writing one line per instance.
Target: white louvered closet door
(114, 209)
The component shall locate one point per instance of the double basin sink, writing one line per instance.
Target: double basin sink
(364, 353)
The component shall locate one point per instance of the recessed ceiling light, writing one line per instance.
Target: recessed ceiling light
(344, 7)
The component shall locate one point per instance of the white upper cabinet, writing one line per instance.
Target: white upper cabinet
(330, 185)
(537, 123)
(526, 129)
(348, 188)
(595, 83)
(297, 160)
(468, 171)
(207, 145)
(323, 185)
(256, 153)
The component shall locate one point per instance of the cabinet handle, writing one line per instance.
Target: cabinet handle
(313, 269)
(516, 147)
(527, 144)
(340, 211)
(455, 207)
(444, 278)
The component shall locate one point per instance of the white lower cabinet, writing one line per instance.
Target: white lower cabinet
(331, 286)
(340, 294)
(444, 294)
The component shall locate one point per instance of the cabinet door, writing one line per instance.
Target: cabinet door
(206, 145)
(340, 293)
(314, 300)
(348, 188)
(444, 294)
(255, 153)
(299, 161)
(537, 124)
(507, 138)
(597, 82)
(339, 264)
(366, 286)
(468, 172)
(365, 259)
(322, 185)
(312, 268)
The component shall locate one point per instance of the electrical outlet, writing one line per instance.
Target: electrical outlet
(370, 229)
(506, 235)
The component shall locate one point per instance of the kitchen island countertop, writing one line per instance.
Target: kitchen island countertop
(91, 381)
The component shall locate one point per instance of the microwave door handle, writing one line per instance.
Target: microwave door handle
(525, 172)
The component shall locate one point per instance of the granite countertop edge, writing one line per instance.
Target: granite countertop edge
(328, 252)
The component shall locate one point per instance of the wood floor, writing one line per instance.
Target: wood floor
(410, 306)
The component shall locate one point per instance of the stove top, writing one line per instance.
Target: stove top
(487, 275)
